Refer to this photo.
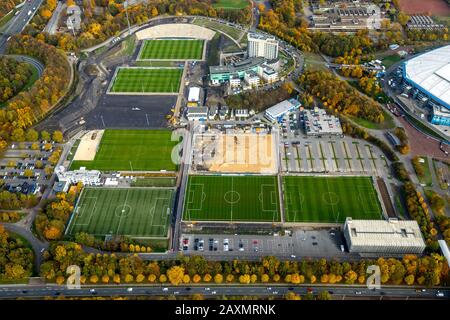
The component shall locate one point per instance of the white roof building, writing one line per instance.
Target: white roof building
(430, 72)
(197, 113)
(280, 109)
(194, 94)
(383, 237)
(87, 177)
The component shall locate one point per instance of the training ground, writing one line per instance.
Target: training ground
(232, 199)
(132, 212)
(132, 150)
(172, 49)
(146, 80)
(329, 199)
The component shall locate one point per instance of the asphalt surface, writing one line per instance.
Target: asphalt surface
(214, 290)
(18, 23)
(129, 111)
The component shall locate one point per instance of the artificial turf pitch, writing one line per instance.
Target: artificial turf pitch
(172, 50)
(132, 150)
(232, 198)
(147, 80)
(329, 199)
(134, 212)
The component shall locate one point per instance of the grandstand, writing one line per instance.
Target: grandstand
(177, 30)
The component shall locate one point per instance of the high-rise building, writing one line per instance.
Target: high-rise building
(262, 46)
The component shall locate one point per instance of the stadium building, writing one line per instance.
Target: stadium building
(427, 78)
(383, 237)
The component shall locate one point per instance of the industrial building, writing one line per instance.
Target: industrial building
(260, 45)
(383, 237)
(427, 79)
(278, 111)
(422, 22)
(316, 122)
(345, 16)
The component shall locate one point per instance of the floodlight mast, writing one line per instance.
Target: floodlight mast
(125, 5)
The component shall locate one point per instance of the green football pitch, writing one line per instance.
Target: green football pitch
(132, 150)
(232, 198)
(147, 80)
(329, 199)
(172, 50)
(230, 4)
(134, 212)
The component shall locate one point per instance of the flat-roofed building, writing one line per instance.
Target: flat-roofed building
(193, 97)
(268, 74)
(260, 45)
(383, 237)
(278, 111)
(197, 113)
(317, 122)
(252, 78)
(219, 74)
(87, 177)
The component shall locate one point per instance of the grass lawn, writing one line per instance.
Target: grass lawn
(172, 50)
(132, 150)
(6, 18)
(232, 198)
(230, 4)
(147, 80)
(314, 62)
(231, 31)
(157, 63)
(388, 122)
(426, 178)
(154, 182)
(390, 60)
(329, 199)
(131, 212)
(128, 45)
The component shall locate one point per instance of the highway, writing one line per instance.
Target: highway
(18, 23)
(338, 291)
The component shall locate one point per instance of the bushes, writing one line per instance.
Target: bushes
(410, 270)
(339, 96)
(10, 217)
(13, 77)
(418, 167)
(418, 210)
(16, 259)
(51, 221)
(403, 148)
(12, 201)
(400, 171)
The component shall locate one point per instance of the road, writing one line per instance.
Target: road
(18, 23)
(338, 291)
(34, 62)
(52, 24)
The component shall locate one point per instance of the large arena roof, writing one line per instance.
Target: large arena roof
(430, 72)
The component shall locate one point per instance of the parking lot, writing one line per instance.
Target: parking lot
(20, 163)
(300, 153)
(301, 243)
